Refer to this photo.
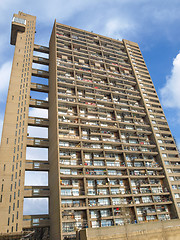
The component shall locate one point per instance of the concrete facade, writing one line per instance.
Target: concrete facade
(14, 134)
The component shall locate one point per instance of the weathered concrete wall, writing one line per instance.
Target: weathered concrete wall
(166, 230)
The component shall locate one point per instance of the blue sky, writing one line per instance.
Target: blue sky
(153, 24)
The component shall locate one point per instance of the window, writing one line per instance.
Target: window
(91, 182)
(75, 192)
(171, 179)
(103, 201)
(164, 155)
(81, 61)
(177, 195)
(66, 192)
(105, 213)
(95, 224)
(65, 171)
(106, 223)
(91, 192)
(116, 201)
(112, 172)
(114, 190)
(102, 191)
(94, 214)
(119, 221)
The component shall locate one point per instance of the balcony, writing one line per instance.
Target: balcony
(39, 122)
(70, 172)
(138, 149)
(73, 204)
(71, 162)
(73, 216)
(39, 103)
(119, 191)
(164, 199)
(95, 172)
(36, 191)
(40, 73)
(37, 142)
(39, 87)
(40, 48)
(41, 60)
(62, 65)
(159, 190)
(66, 99)
(30, 221)
(62, 35)
(33, 165)
(71, 192)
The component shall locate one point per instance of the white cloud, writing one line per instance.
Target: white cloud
(64, 10)
(40, 54)
(1, 126)
(178, 145)
(36, 112)
(5, 71)
(37, 153)
(36, 178)
(40, 66)
(39, 95)
(40, 132)
(170, 93)
(48, 11)
(169, 14)
(118, 28)
(34, 206)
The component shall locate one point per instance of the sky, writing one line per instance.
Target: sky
(153, 24)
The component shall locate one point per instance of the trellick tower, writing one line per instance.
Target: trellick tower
(111, 156)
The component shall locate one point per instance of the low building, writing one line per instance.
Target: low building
(157, 230)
